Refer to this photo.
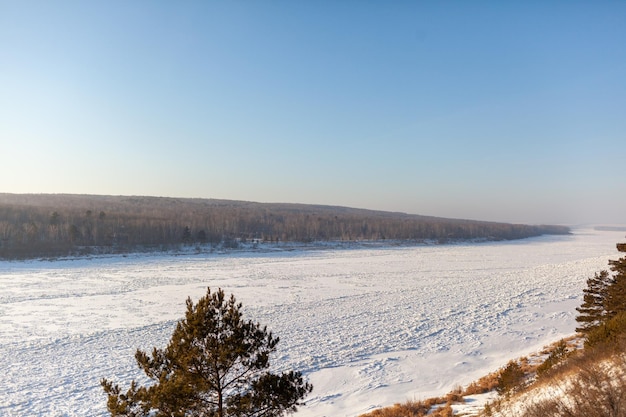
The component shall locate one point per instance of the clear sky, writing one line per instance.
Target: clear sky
(501, 110)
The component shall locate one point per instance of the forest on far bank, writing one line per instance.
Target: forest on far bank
(40, 225)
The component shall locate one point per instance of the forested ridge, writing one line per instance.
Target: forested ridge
(34, 225)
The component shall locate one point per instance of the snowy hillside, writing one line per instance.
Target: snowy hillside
(368, 327)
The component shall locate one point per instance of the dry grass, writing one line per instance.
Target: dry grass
(442, 406)
(408, 409)
(586, 385)
(589, 383)
(485, 384)
(434, 407)
(444, 411)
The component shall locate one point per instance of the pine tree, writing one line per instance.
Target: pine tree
(592, 311)
(616, 293)
(216, 365)
(604, 297)
(511, 378)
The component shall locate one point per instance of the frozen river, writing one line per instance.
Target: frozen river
(368, 327)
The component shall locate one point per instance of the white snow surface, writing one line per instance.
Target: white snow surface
(368, 327)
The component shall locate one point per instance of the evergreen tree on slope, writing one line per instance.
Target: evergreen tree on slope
(604, 298)
(616, 293)
(592, 310)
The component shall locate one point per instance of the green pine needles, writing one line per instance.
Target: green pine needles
(602, 315)
(216, 365)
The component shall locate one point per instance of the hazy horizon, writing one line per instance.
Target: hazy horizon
(487, 111)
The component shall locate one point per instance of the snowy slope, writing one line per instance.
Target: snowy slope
(368, 327)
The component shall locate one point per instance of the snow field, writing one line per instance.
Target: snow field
(368, 327)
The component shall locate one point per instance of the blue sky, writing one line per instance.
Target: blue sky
(504, 111)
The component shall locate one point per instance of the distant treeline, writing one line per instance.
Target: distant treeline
(35, 225)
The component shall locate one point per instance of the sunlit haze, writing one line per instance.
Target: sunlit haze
(504, 111)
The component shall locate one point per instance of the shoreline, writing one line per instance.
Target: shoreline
(101, 252)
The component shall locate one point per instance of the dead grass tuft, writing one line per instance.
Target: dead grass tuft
(407, 409)
(485, 384)
(433, 407)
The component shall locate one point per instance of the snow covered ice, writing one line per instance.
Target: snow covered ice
(368, 327)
